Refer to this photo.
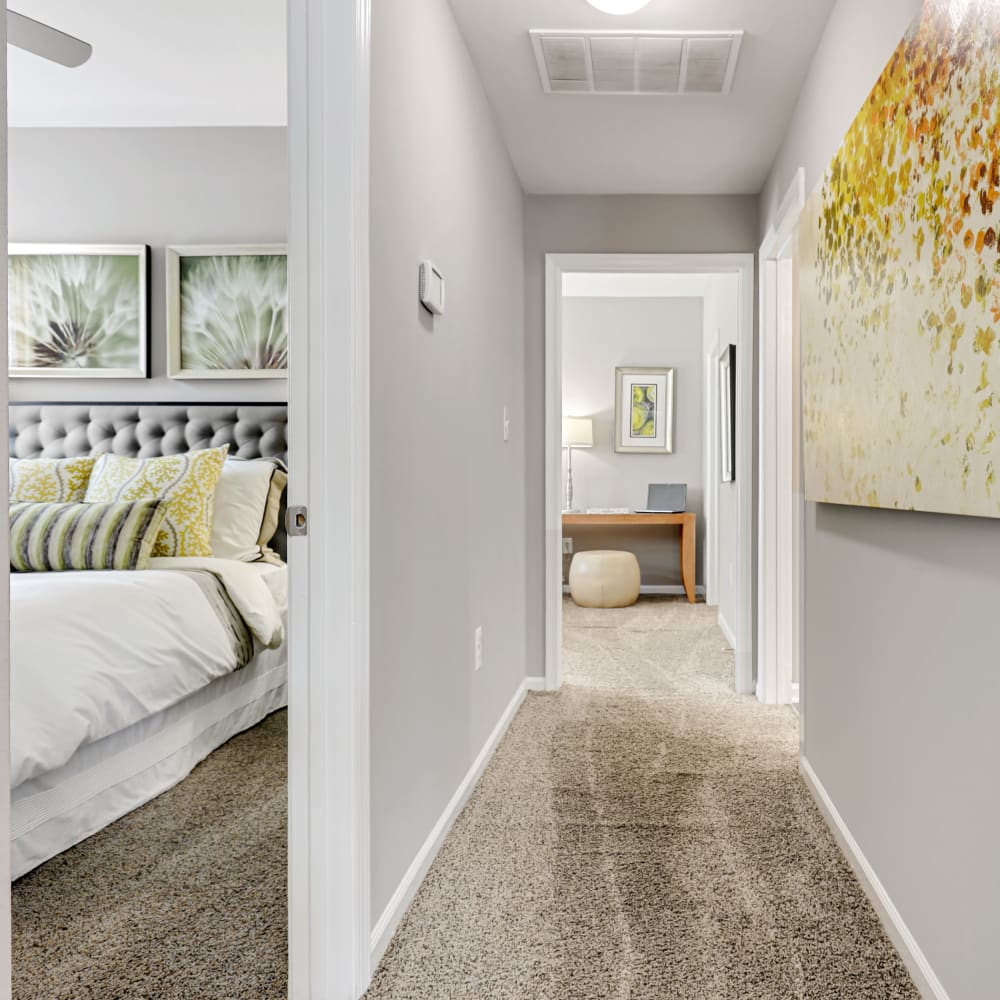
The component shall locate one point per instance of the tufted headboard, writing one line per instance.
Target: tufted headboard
(62, 430)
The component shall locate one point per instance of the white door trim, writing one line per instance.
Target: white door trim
(780, 502)
(556, 266)
(328, 133)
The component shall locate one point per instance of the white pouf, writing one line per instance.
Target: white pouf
(604, 579)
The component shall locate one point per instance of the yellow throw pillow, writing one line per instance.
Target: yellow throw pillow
(49, 480)
(186, 483)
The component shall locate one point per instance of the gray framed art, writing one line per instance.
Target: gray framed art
(78, 310)
(227, 312)
(644, 411)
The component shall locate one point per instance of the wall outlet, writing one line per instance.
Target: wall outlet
(479, 647)
(506, 424)
(567, 546)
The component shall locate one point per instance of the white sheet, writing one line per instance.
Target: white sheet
(93, 653)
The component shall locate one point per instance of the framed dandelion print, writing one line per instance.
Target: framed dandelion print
(644, 410)
(78, 311)
(227, 311)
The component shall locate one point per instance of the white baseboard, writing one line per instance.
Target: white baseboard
(388, 922)
(909, 951)
(658, 590)
(727, 631)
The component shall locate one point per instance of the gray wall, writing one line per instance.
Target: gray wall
(902, 690)
(448, 495)
(602, 224)
(156, 186)
(599, 335)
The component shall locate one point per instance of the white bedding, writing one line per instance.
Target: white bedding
(94, 653)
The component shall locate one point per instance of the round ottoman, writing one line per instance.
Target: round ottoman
(602, 579)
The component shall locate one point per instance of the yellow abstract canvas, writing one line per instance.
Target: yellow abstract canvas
(899, 281)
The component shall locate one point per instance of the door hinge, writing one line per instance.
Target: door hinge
(297, 521)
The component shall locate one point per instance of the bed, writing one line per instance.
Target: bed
(121, 682)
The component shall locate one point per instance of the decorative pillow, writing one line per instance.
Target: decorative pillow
(49, 480)
(247, 502)
(62, 536)
(185, 483)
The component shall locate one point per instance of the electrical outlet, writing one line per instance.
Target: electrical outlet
(567, 546)
(506, 424)
(479, 647)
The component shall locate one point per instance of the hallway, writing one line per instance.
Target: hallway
(642, 834)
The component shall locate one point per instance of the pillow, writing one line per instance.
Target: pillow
(185, 483)
(61, 536)
(49, 480)
(247, 502)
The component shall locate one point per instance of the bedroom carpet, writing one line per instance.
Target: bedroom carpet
(642, 835)
(184, 898)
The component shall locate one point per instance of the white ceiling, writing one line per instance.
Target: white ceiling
(155, 62)
(573, 144)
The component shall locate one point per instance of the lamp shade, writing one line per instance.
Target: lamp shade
(578, 432)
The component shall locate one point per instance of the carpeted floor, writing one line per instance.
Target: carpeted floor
(642, 835)
(183, 899)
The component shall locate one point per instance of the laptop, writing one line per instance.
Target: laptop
(666, 498)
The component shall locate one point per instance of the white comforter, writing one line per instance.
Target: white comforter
(93, 653)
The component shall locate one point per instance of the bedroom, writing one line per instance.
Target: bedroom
(150, 192)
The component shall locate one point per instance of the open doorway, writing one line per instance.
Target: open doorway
(148, 353)
(614, 325)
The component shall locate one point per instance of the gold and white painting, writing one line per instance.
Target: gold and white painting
(899, 257)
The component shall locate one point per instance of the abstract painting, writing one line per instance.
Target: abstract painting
(644, 405)
(899, 265)
(227, 312)
(78, 311)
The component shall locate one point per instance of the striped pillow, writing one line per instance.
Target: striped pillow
(63, 536)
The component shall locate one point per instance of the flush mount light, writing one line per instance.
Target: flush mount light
(618, 6)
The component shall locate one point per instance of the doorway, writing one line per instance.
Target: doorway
(681, 275)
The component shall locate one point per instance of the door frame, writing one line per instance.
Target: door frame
(556, 266)
(329, 48)
(780, 509)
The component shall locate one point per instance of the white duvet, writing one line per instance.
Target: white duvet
(92, 653)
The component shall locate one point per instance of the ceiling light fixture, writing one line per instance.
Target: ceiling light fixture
(618, 6)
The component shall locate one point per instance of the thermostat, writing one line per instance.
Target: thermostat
(431, 288)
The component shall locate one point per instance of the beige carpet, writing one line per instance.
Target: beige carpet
(642, 835)
(182, 899)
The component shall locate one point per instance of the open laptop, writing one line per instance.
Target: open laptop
(666, 498)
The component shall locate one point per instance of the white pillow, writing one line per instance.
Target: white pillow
(246, 509)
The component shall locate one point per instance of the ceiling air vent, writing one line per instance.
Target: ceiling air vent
(647, 62)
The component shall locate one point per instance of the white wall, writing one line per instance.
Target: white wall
(721, 329)
(902, 690)
(601, 224)
(156, 186)
(599, 335)
(448, 495)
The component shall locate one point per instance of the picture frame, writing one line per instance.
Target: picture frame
(227, 311)
(727, 414)
(78, 310)
(644, 411)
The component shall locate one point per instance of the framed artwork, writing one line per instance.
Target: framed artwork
(644, 410)
(227, 311)
(727, 413)
(78, 311)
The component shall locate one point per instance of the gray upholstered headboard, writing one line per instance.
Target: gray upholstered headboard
(61, 430)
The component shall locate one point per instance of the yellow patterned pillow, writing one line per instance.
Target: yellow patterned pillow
(49, 480)
(186, 483)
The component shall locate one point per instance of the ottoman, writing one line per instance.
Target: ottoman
(604, 579)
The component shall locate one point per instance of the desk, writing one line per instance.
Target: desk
(686, 522)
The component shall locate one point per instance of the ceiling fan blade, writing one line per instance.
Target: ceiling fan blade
(45, 41)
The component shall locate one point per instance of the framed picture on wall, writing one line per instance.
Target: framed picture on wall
(644, 411)
(727, 413)
(227, 311)
(77, 311)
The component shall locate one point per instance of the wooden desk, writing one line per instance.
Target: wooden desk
(687, 523)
